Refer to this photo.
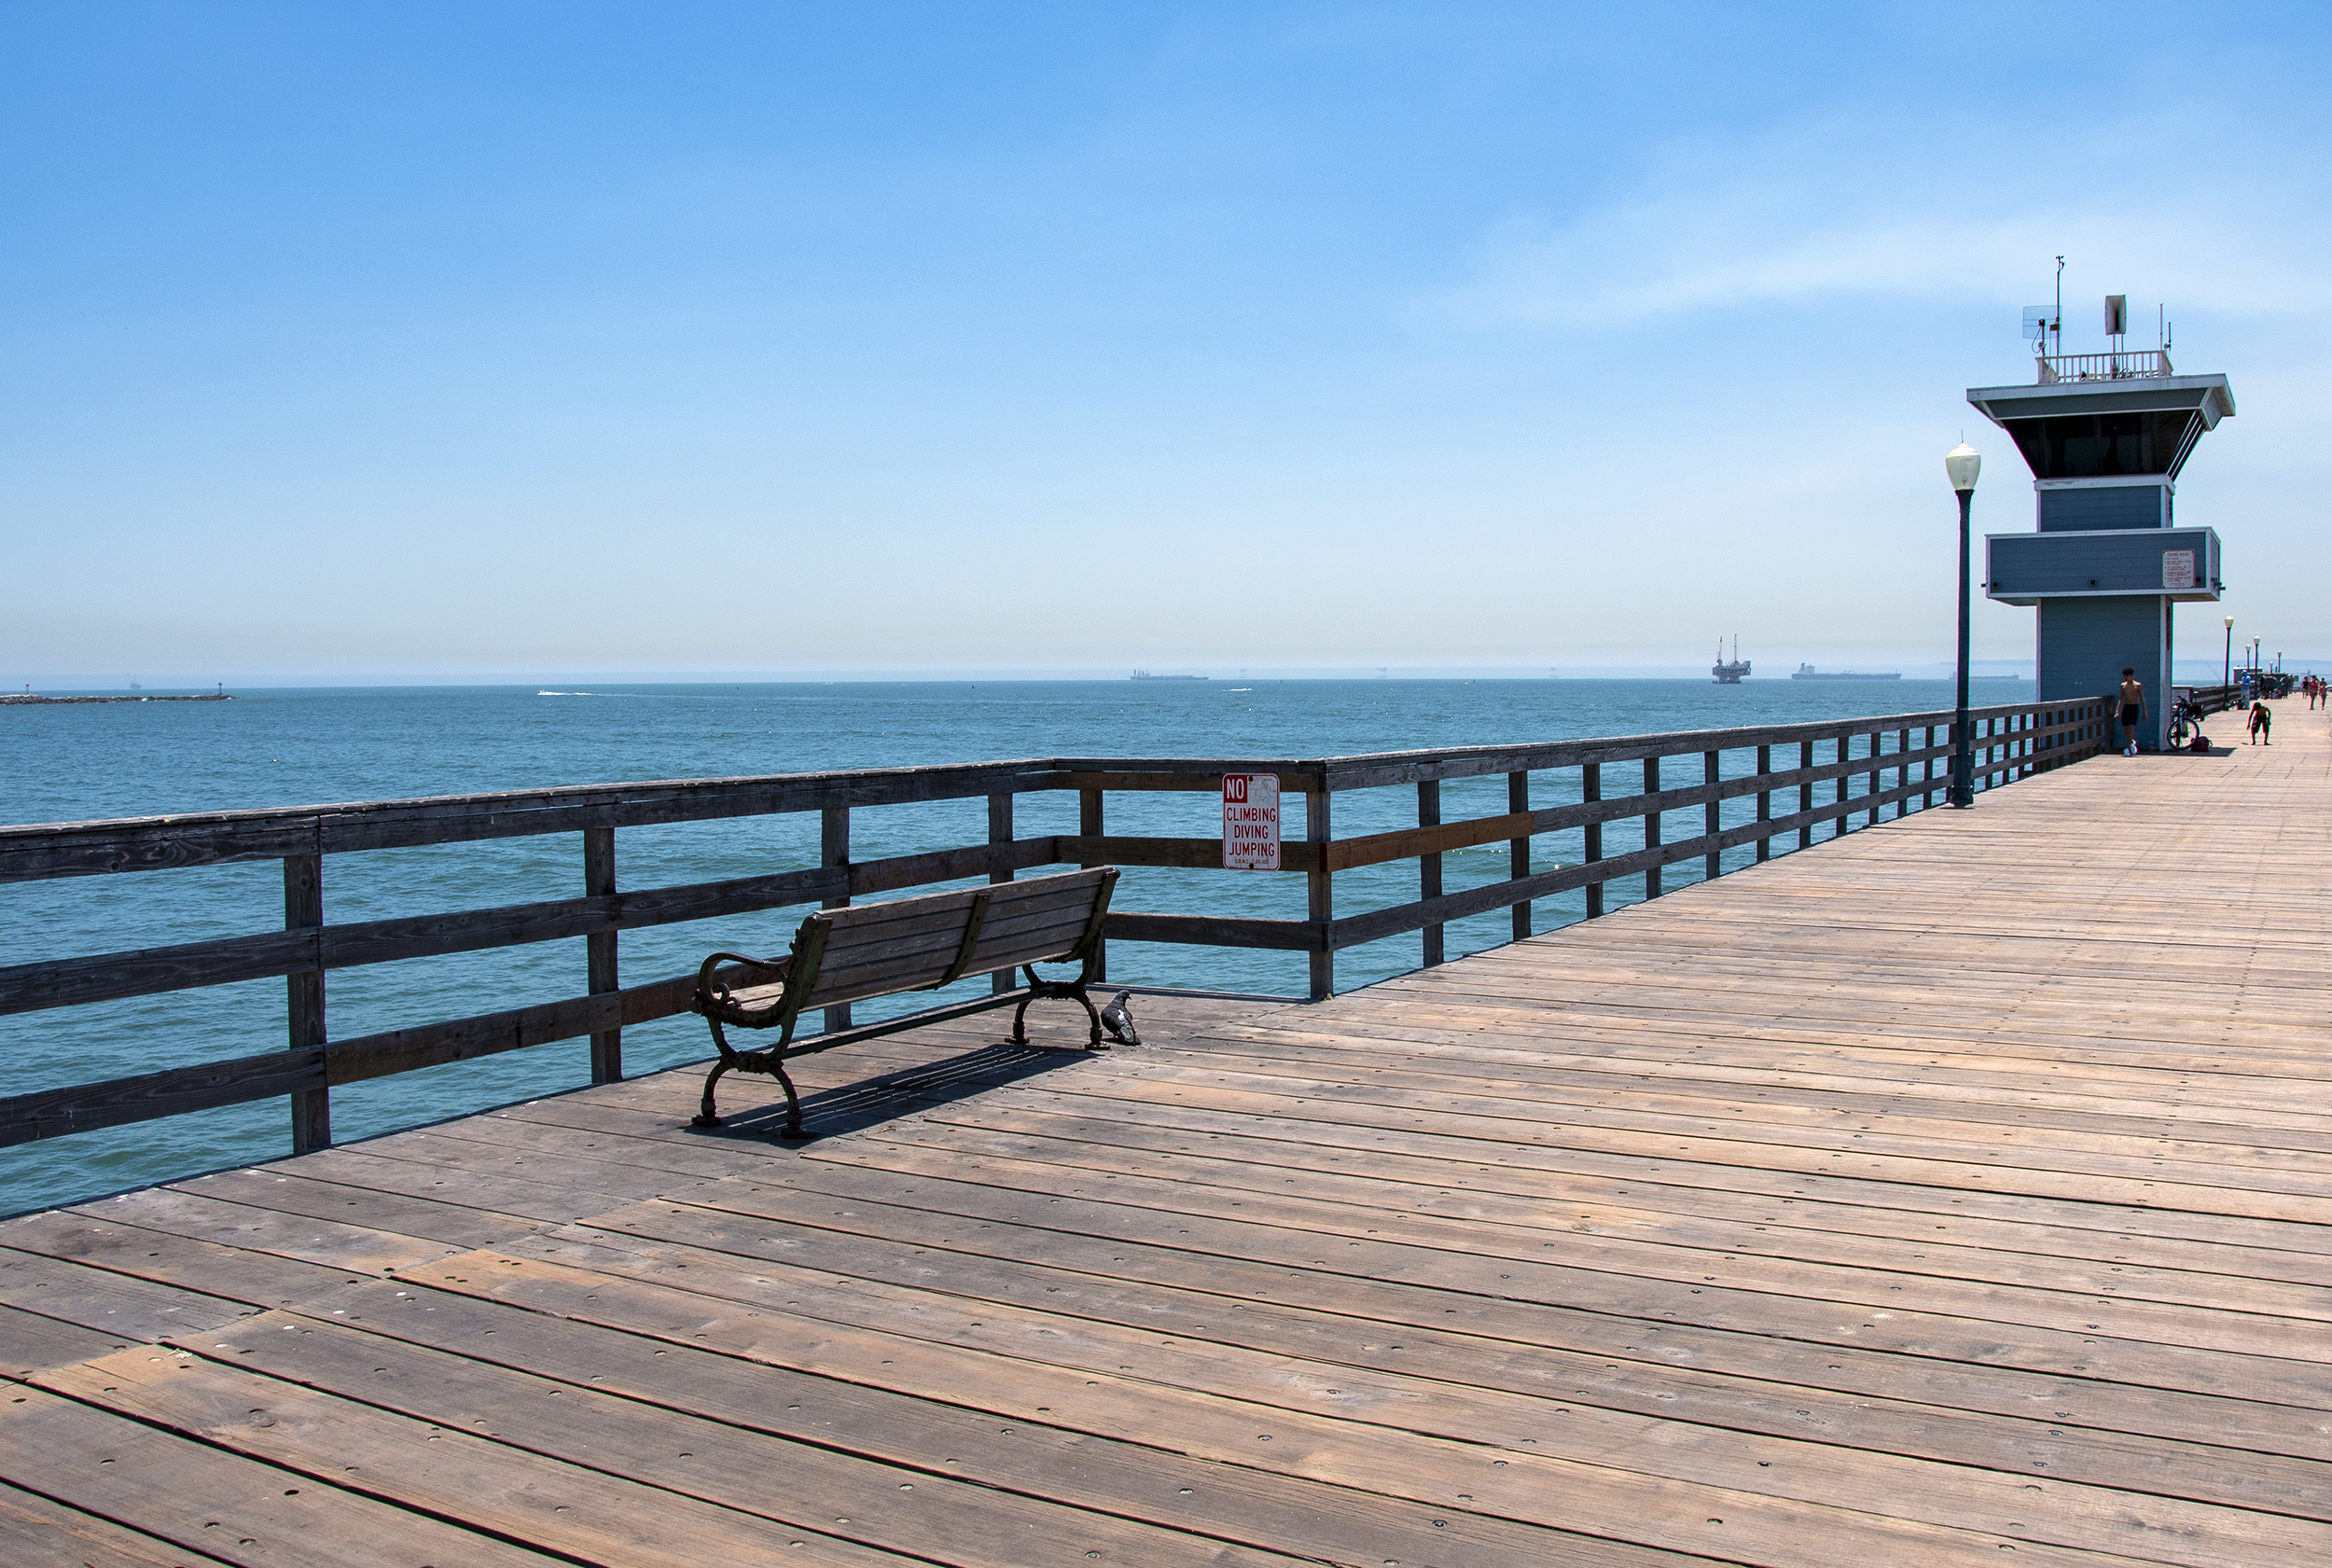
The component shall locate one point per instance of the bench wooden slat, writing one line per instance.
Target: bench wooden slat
(898, 975)
(864, 923)
(1030, 931)
(924, 959)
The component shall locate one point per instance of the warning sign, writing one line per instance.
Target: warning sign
(2177, 569)
(1251, 822)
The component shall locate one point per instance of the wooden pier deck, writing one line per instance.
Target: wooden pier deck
(1955, 1190)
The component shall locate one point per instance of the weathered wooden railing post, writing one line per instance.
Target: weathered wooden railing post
(1320, 900)
(1805, 795)
(1000, 832)
(1429, 865)
(1843, 822)
(1711, 816)
(833, 853)
(1902, 773)
(303, 910)
(599, 950)
(1519, 850)
(1091, 824)
(1877, 773)
(1591, 834)
(1765, 802)
(1651, 826)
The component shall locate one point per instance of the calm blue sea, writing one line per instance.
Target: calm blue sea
(304, 746)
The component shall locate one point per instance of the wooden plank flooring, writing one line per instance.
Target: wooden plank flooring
(1954, 1190)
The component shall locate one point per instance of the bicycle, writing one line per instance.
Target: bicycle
(2186, 726)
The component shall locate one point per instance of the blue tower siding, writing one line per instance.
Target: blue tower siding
(2019, 568)
(2120, 506)
(2085, 645)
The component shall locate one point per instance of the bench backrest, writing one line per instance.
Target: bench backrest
(914, 944)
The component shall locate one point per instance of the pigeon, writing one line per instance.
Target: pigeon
(1119, 1021)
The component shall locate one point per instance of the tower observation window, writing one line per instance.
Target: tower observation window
(2084, 446)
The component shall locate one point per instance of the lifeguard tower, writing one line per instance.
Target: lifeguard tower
(2106, 436)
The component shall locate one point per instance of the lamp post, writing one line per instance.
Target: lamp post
(2227, 676)
(1961, 463)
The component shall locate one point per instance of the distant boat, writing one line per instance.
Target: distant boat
(1734, 673)
(1146, 676)
(1808, 672)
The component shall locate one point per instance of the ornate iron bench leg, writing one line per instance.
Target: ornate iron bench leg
(752, 1061)
(705, 1116)
(793, 1101)
(1056, 990)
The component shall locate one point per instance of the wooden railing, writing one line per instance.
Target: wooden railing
(1871, 765)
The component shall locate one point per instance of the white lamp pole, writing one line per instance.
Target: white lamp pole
(1961, 463)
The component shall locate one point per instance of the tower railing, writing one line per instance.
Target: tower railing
(2128, 363)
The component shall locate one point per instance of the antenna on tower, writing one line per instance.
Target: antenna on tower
(2035, 329)
(2057, 322)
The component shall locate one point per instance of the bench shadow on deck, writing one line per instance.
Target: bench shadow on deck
(1955, 1190)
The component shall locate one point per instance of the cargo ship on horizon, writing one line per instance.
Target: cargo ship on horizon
(1808, 672)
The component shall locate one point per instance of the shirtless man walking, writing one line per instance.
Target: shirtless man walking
(2132, 710)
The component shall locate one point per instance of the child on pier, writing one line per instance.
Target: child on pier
(2262, 721)
(2132, 710)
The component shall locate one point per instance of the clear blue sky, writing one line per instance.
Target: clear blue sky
(397, 341)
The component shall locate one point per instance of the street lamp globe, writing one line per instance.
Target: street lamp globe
(1963, 463)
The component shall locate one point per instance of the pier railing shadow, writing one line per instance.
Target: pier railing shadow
(1866, 767)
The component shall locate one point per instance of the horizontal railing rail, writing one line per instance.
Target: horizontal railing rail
(2010, 741)
(2215, 698)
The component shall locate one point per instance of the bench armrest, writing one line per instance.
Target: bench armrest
(712, 997)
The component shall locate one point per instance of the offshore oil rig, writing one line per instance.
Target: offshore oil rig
(1732, 672)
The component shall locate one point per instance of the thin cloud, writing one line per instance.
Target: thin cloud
(1831, 212)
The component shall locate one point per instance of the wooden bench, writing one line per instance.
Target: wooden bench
(858, 954)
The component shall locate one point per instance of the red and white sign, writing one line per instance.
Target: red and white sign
(1251, 822)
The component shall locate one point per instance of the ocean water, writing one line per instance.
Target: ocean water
(305, 746)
